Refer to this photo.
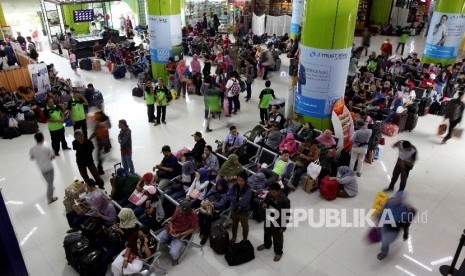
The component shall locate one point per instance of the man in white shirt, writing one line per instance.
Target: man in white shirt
(43, 154)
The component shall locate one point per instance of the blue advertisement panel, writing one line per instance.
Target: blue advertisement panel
(445, 35)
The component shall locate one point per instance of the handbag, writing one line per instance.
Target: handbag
(373, 235)
(195, 194)
(314, 169)
(81, 208)
(442, 128)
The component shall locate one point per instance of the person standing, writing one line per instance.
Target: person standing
(161, 93)
(125, 141)
(77, 111)
(249, 75)
(150, 101)
(386, 48)
(84, 159)
(212, 101)
(266, 96)
(102, 135)
(73, 62)
(405, 162)
(454, 113)
(366, 38)
(239, 195)
(274, 230)
(402, 40)
(43, 154)
(360, 140)
(55, 119)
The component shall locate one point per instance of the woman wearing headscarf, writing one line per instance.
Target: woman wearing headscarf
(288, 144)
(198, 188)
(396, 102)
(196, 69)
(348, 186)
(215, 201)
(306, 153)
(182, 77)
(327, 156)
(257, 182)
(177, 190)
(231, 167)
(104, 209)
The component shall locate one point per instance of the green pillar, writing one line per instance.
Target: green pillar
(296, 21)
(445, 32)
(183, 12)
(380, 11)
(2, 20)
(164, 20)
(325, 50)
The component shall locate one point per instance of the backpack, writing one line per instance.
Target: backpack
(235, 88)
(372, 64)
(11, 132)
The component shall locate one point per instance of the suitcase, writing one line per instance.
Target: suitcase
(390, 129)
(411, 123)
(120, 72)
(239, 253)
(137, 92)
(328, 188)
(85, 64)
(28, 127)
(90, 263)
(258, 213)
(70, 240)
(400, 119)
(277, 64)
(96, 65)
(219, 239)
(77, 250)
(309, 185)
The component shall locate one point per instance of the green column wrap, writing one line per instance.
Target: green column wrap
(326, 43)
(68, 16)
(445, 32)
(380, 11)
(2, 20)
(164, 22)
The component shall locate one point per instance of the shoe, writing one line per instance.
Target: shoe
(359, 174)
(277, 258)
(208, 130)
(156, 124)
(174, 262)
(388, 190)
(164, 122)
(57, 154)
(67, 148)
(101, 172)
(72, 230)
(203, 241)
(233, 241)
(380, 256)
(261, 247)
(55, 198)
(248, 99)
(227, 115)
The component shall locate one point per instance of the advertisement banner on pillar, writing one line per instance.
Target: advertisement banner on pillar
(164, 33)
(322, 80)
(297, 11)
(445, 35)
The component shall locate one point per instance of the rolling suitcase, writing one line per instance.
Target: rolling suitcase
(400, 119)
(219, 239)
(85, 64)
(69, 241)
(77, 250)
(137, 92)
(412, 119)
(240, 253)
(328, 188)
(90, 263)
(28, 127)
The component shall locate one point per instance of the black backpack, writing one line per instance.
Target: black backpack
(137, 92)
(240, 253)
(10, 133)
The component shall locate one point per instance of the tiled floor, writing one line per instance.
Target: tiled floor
(435, 187)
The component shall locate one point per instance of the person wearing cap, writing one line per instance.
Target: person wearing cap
(125, 141)
(274, 231)
(77, 111)
(239, 195)
(360, 139)
(74, 219)
(210, 162)
(140, 244)
(198, 149)
(168, 169)
(161, 97)
(181, 225)
(122, 186)
(405, 162)
(401, 214)
(84, 159)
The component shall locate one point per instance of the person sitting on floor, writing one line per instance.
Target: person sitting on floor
(348, 186)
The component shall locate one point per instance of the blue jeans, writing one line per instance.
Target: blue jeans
(175, 244)
(127, 163)
(175, 194)
(388, 235)
(75, 220)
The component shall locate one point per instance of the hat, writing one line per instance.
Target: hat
(185, 207)
(148, 177)
(166, 148)
(127, 219)
(151, 189)
(197, 133)
(326, 138)
(121, 172)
